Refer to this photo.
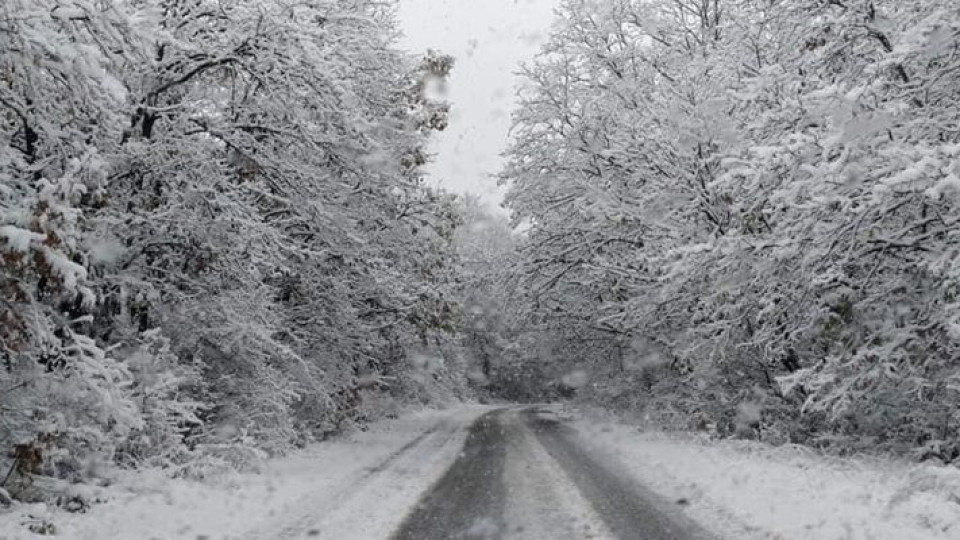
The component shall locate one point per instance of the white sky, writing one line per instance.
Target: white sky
(489, 39)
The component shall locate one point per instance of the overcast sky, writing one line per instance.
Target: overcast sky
(489, 38)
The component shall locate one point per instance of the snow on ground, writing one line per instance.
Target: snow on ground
(361, 486)
(312, 493)
(749, 490)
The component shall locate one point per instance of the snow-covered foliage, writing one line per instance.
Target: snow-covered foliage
(213, 227)
(485, 245)
(741, 215)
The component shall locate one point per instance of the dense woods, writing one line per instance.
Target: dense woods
(741, 216)
(214, 234)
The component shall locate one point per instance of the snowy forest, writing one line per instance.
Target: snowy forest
(737, 217)
(741, 217)
(214, 235)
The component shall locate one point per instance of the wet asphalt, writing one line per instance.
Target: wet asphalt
(468, 502)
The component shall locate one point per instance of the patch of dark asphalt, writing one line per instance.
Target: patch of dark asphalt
(629, 511)
(468, 501)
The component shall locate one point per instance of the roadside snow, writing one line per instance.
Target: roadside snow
(285, 500)
(373, 505)
(748, 490)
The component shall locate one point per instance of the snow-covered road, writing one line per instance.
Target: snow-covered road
(470, 473)
(371, 502)
(357, 487)
(523, 474)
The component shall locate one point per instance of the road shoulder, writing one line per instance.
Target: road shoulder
(748, 490)
(282, 501)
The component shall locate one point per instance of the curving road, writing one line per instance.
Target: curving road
(523, 474)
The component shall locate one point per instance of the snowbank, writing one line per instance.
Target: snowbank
(748, 490)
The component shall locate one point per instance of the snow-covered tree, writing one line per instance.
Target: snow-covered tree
(761, 195)
(213, 226)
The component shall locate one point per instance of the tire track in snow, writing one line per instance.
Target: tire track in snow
(375, 507)
(303, 522)
(392, 458)
(544, 503)
(629, 511)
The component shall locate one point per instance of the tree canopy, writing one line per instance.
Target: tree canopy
(214, 232)
(751, 204)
